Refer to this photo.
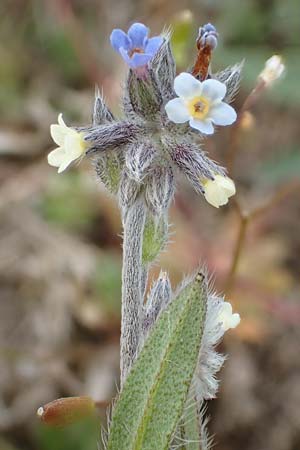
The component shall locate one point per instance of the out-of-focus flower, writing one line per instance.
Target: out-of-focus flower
(273, 70)
(226, 318)
(135, 47)
(71, 145)
(247, 121)
(199, 103)
(218, 190)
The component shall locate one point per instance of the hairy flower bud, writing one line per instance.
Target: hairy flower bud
(164, 66)
(101, 113)
(160, 189)
(231, 77)
(158, 298)
(208, 36)
(105, 137)
(65, 411)
(142, 94)
(192, 162)
(128, 192)
(139, 159)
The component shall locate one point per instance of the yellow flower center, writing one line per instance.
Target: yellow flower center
(198, 107)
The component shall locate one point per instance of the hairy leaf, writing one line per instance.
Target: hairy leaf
(153, 397)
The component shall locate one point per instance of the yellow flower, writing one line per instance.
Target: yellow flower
(273, 70)
(226, 318)
(71, 145)
(218, 190)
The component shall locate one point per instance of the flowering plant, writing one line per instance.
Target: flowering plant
(138, 158)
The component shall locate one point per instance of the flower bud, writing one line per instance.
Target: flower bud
(207, 37)
(142, 94)
(101, 113)
(159, 297)
(273, 70)
(128, 192)
(139, 159)
(164, 66)
(218, 190)
(160, 190)
(65, 411)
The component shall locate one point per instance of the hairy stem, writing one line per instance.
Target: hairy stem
(131, 285)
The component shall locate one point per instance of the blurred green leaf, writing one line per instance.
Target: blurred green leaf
(68, 202)
(83, 435)
(107, 283)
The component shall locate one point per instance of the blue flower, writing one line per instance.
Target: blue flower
(135, 47)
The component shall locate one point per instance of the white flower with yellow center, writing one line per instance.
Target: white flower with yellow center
(273, 70)
(226, 318)
(71, 145)
(218, 190)
(199, 103)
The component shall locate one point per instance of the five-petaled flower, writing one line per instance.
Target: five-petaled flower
(135, 47)
(200, 103)
(226, 318)
(71, 145)
(218, 190)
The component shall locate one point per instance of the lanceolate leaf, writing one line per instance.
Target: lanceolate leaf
(153, 397)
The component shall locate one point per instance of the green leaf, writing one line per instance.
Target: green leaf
(153, 397)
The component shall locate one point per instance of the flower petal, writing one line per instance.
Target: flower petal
(177, 111)
(125, 56)
(222, 114)
(58, 133)
(56, 157)
(225, 183)
(138, 32)
(61, 121)
(65, 163)
(153, 45)
(119, 39)
(204, 126)
(140, 59)
(187, 86)
(213, 89)
(74, 145)
(235, 320)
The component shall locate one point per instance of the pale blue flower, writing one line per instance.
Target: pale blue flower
(135, 47)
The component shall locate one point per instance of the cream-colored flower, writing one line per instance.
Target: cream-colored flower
(226, 318)
(71, 145)
(218, 190)
(273, 70)
(199, 103)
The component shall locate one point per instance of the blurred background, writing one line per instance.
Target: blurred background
(60, 235)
